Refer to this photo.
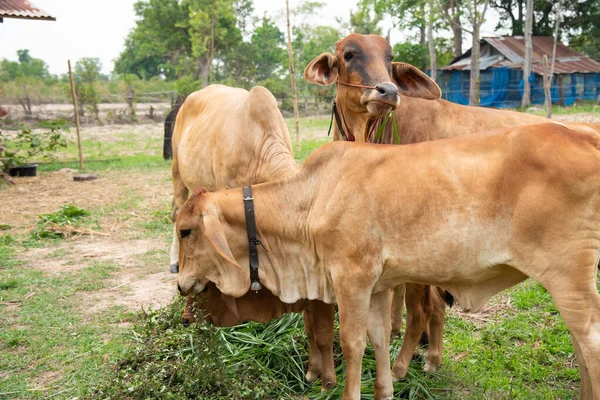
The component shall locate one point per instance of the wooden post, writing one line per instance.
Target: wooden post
(292, 79)
(76, 115)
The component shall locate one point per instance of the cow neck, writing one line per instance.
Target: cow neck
(367, 128)
(281, 214)
(253, 240)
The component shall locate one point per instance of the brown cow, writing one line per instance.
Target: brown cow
(369, 87)
(503, 206)
(227, 137)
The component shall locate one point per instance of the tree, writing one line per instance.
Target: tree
(269, 54)
(365, 20)
(159, 44)
(452, 11)
(87, 73)
(27, 73)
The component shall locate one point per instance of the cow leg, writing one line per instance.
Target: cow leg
(397, 309)
(579, 307)
(314, 355)
(322, 315)
(586, 385)
(379, 334)
(418, 310)
(436, 331)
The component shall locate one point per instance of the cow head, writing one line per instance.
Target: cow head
(204, 252)
(366, 60)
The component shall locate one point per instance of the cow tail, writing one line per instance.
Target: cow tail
(169, 126)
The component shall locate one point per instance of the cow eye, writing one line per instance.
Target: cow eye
(185, 232)
(348, 56)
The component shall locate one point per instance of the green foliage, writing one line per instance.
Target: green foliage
(169, 361)
(68, 215)
(411, 53)
(269, 53)
(87, 73)
(27, 66)
(366, 19)
(27, 144)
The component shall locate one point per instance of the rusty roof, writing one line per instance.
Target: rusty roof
(510, 52)
(23, 9)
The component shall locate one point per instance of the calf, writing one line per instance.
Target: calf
(227, 137)
(503, 206)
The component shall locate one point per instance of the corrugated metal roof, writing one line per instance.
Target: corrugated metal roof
(513, 49)
(22, 9)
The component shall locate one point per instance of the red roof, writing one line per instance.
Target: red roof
(510, 52)
(22, 9)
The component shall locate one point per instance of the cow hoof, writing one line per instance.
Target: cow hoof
(430, 367)
(174, 268)
(398, 374)
(327, 386)
(395, 335)
(185, 322)
(311, 376)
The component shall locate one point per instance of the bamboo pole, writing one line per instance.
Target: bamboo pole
(292, 79)
(76, 116)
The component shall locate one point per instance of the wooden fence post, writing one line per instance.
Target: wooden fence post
(76, 115)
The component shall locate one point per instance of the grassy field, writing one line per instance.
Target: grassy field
(96, 316)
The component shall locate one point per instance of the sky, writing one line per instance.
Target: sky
(97, 28)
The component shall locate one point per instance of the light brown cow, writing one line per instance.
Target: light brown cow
(370, 86)
(502, 206)
(227, 137)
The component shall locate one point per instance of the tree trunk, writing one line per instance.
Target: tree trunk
(212, 40)
(475, 53)
(474, 81)
(547, 78)
(292, 78)
(423, 31)
(432, 57)
(457, 32)
(526, 100)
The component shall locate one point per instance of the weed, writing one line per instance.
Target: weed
(68, 215)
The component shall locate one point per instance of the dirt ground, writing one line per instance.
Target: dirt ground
(124, 201)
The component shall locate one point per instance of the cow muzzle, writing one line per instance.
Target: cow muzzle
(194, 288)
(382, 99)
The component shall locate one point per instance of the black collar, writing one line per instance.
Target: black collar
(253, 241)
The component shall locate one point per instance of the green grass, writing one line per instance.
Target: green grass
(586, 106)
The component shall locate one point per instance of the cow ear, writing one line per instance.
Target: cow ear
(412, 82)
(323, 70)
(216, 236)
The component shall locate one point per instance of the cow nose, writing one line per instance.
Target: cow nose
(179, 289)
(387, 90)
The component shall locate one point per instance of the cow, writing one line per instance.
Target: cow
(475, 215)
(226, 137)
(369, 87)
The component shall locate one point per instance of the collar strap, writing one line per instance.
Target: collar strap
(253, 241)
(338, 120)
